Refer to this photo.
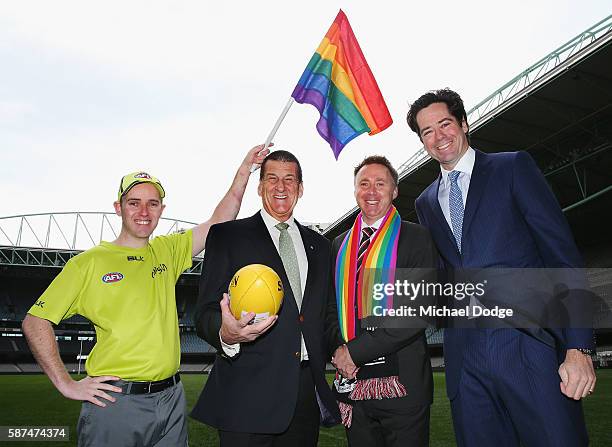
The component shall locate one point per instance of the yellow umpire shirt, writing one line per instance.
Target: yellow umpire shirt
(129, 296)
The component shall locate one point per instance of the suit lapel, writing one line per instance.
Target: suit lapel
(478, 182)
(263, 241)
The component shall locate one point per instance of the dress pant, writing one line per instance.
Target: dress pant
(509, 395)
(155, 419)
(388, 423)
(303, 430)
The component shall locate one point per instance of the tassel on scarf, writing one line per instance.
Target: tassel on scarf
(378, 388)
(346, 413)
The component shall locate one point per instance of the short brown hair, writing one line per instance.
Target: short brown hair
(378, 160)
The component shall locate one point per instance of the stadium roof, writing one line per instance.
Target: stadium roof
(50, 239)
(560, 111)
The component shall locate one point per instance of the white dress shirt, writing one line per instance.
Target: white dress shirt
(465, 166)
(300, 252)
(296, 237)
(374, 225)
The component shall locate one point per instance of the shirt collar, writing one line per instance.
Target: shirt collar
(271, 221)
(465, 165)
(374, 225)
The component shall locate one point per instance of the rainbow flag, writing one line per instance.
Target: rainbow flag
(340, 84)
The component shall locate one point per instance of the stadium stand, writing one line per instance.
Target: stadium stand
(22, 345)
(192, 344)
(30, 367)
(195, 368)
(9, 368)
(185, 306)
(7, 345)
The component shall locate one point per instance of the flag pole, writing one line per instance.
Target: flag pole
(275, 128)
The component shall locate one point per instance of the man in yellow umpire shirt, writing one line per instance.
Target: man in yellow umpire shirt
(132, 394)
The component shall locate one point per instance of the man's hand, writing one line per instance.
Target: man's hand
(255, 157)
(240, 331)
(89, 389)
(228, 207)
(577, 375)
(344, 363)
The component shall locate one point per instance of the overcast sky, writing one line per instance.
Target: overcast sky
(182, 89)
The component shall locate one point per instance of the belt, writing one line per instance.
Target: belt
(147, 387)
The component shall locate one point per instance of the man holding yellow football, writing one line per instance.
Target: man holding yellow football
(267, 386)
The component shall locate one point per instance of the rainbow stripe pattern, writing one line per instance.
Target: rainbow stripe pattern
(378, 266)
(340, 84)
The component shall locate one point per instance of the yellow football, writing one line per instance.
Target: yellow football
(255, 288)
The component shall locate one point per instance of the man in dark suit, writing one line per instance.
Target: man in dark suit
(267, 386)
(506, 386)
(387, 402)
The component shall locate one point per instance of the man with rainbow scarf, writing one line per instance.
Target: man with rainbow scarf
(384, 383)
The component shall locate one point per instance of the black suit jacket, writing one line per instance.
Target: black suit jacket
(415, 250)
(256, 392)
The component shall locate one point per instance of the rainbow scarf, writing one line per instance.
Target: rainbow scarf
(340, 84)
(380, 255)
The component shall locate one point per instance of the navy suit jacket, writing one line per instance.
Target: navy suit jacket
(511, 220)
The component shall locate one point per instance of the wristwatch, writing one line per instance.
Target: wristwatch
(586, 351)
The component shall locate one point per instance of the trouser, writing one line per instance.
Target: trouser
(388, 423)
(303, 430)
(136, 420)
(509, 395)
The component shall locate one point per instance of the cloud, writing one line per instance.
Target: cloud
(14, 113)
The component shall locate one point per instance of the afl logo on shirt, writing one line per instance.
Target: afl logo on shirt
(112, 277)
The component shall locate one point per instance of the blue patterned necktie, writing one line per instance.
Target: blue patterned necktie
(455, 204)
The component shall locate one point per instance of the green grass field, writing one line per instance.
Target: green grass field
(32, 400)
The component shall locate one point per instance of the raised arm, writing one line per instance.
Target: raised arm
(228, 207)
(41, 339)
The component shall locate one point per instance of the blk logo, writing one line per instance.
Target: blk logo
(135, 258)
(112, 277)
(40, 304)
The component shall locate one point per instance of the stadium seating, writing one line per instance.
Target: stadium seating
(6, 345)
(29, 367)
(9, 368)
(191, 343)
